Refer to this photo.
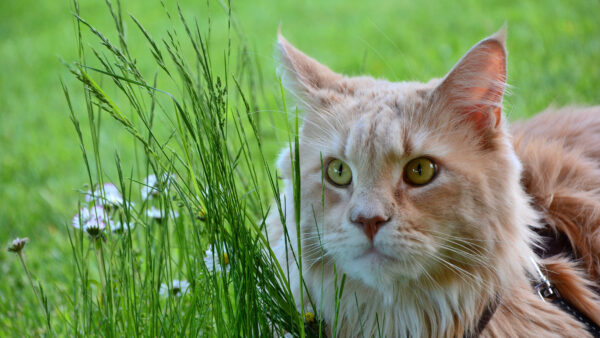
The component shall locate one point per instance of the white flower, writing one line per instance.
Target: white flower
(214, 262)
(94, 229)
(86, 215)
(80, 218)
(120, 227)
(164, 290)
(17, 244)
(178, 288)
(129, 204)
(159, 214)
(148, 188)
(93, 220)
(108, 196)
(152, 187)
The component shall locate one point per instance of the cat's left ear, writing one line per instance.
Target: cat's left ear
(305, 76)
(475, 86)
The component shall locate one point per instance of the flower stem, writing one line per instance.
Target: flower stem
(100, 263)
(37, 295)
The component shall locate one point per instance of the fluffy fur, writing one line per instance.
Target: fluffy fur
(453, 246)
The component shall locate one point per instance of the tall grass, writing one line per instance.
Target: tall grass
(202, 141)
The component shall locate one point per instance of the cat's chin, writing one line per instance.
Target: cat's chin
(382, 272)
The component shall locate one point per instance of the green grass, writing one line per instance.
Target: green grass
(553, 59)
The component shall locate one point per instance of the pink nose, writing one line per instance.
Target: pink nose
(371, 225)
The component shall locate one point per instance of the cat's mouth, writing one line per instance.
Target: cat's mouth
(375, 254)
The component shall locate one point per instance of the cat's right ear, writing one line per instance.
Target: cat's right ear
(475, 86)
(311, 81)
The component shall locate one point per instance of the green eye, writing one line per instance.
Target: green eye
(420, 171)
(339, 173)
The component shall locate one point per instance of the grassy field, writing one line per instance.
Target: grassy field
(554, 48)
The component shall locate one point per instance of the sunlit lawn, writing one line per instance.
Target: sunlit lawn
(554, 48)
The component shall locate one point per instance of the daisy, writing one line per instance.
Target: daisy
(148, 190)
(120, 227)
(159, 215)
(92, 220)
(94, 229)
(213, 262)
(178, 288)
(152, 185)
(129, 204)
(309, 317)
(86, 215)
(81, 218)
(17, 244)
(108, 196)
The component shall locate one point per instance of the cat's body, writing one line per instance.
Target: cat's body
(427, 260)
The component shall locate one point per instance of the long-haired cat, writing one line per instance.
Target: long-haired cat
(429, 203)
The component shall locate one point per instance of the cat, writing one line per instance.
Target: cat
(429, 203)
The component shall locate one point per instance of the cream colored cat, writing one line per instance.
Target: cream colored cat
(424, 207)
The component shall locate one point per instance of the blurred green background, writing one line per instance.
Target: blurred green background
(554, 53)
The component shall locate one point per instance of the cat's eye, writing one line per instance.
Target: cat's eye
(339, 173)
(420, 171)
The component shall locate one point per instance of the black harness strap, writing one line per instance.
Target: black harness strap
(592, 328)
(485, 318)
(554, 244)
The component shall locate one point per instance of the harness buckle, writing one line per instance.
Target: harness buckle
(544, 288)
(546, 291)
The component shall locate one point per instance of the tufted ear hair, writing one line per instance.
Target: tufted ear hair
(304, 76)
(475, 86)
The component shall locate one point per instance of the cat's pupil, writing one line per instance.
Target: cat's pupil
(419, 169)
(339, 170)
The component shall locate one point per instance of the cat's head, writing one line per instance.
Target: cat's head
(419, 181)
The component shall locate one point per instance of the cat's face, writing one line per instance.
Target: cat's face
(416, 179)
